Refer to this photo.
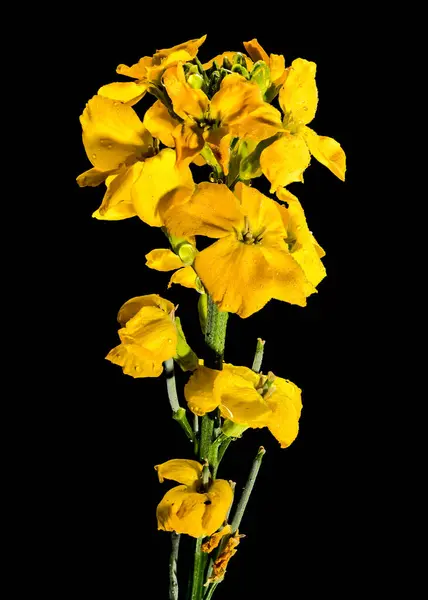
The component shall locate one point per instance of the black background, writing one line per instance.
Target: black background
(308, 509)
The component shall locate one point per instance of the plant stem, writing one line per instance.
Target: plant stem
(215, 335)
(206, 436)
(243, 501)
(178, 413)
(221, 452)
(173, 581)
(198, 571)
(258, 357)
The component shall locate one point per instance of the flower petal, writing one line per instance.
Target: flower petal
(158, 179)
(263, 122)
(299, 94)
(117, 202)
(137, 71)
(255, 50)
(128, 92)
(219, 496)
(327, 151)
(191, 47)
(185, 277)
(133, 364)
(132, 306)
(230, 55)
(285, 160)
(216, 538)
(262, 212)
(113, 134)
(93, 177)
(188, 142)
(160, 123)
(238, 399)
(235, 99)
(185, 100)
(212, 210)
(277, 69)
(198, 391)
(163, 259)
(181, 470)
(150, 330)
(182, 510)
(286, 406)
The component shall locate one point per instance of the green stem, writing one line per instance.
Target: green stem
(258, 357)
(173, 580)
(243, 501)
(178, 413)
(206, 436)
(198, 571)
(215, 335)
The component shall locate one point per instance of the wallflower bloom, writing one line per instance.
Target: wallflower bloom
(148, 336)
(188, 508)
(286, 158)
(247, 398)
(264, 251)
(237, 109)
(148, 71)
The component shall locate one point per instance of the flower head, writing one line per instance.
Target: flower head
(254, 259)
(148, 71)
(148, 336)
(190, 508)
(247, 398)
(288, 156)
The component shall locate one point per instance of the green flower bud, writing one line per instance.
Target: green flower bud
(241, 70)
(261, 75)
(187, 253)
(227, 64)
(195, 81)
(214, 83)
(239, 59)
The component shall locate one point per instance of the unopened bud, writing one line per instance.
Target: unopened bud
(261, 75)
(227, 64)
(239, 59)
(241, 70)
(195, 81)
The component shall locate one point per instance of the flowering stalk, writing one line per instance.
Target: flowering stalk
(173, 581)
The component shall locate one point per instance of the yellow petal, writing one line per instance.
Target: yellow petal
(191, 47)
(301, 241)
(185, 277)
(198, 391)
(229, 55)
(185, 100)
(235, 99)
(260, 124)
(188, 142)
(277, 69)
(215, 539)
(285, 160)
(181, 510)
(256, 51)
(137, 71)
(160, 123)
(93, 177)
(153, 330)
(238, 399)
(132, 306)
(181, 470)
(128, 92)
(219, 496)
(299, 94)
(163, 259)
(219, 140)
(117, 202)
(134, 364)
(212, 210)
(158, 179)
(327, 151)
(286, 406)
(221, 562)
(113, 134)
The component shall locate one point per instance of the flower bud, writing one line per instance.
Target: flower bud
(241, 70)
(195, 81)
(261, 75)
(227, 64)
(239, 59)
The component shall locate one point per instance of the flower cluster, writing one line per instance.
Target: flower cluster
(235, 118)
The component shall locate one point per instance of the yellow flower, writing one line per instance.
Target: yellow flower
(275, 62)
(188, 508)
(236, 110)
(148, 336)
(247, 398)
(162, 259)
(255, 258)
(286, 158)
(148, 71)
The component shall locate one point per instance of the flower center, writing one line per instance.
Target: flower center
(265, 386)
(247, 235)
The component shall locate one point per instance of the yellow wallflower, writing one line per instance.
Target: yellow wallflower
(247, 398)
(123, 154)
(148, 71)
(148, 336)
(188, 508)
(275, 62)
(286, 158)
(237, 109)
(264, 250)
